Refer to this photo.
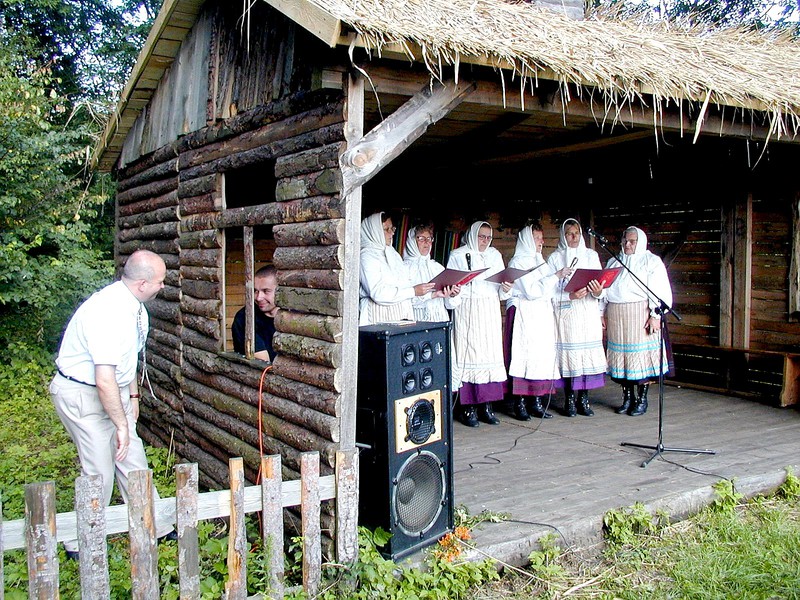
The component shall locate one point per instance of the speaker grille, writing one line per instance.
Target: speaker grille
(420, 421)
(419, 493)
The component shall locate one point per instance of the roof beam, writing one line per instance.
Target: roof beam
(317, 21)
(365, 159)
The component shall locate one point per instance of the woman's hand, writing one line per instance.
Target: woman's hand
(507, 285)
(423, 288)
(563, 273)
(578, 294)
(455, 291)
(595, 287)
(653, 325)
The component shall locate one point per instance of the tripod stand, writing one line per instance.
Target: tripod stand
(662, 310)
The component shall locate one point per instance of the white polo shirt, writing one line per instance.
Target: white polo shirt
(109, 328)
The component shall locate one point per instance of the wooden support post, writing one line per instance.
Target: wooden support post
(726, 267)
(186, 486)
(365, 158)
(142, 527)
(236, 586)
(249, 293)
(40, 536)
(794, 269)
(743, 271)
(310, 510)
(272, 518)
(90, 509)
(347, 506)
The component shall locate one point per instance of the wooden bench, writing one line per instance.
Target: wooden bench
(766, 375)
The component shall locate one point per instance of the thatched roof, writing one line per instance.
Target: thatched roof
(622, 60)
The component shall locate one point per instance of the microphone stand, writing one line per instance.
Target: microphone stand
(662, 310)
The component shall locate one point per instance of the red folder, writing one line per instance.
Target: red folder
(511, 274)
(582, 277)
(450, 277)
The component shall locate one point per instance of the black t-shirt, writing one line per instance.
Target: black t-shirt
(264, 330)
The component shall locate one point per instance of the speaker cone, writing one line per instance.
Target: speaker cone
(425, 352)
(409, 382)
(420, 421)
(419, 493)
(408, 355)
(425, 379)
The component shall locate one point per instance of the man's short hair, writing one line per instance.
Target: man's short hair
(266, 271)
(140, 265)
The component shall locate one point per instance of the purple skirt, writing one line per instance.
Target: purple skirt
(480, 393)
(588, 382)
(534, 387)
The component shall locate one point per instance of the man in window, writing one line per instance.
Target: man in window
(265, 282)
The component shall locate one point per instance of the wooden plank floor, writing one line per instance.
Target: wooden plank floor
(563, 471)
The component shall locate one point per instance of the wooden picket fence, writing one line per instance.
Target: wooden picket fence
(41, 529)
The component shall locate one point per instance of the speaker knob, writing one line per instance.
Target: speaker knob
(408, 355)
(409, 382)
(426, 378)
(425, 352)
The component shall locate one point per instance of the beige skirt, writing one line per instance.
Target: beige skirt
(633, 354)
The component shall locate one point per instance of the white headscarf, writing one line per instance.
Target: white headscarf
(411, 251)
(646, 265)
(526, 247)
(563, 246)
(372, 232)
(471, 239)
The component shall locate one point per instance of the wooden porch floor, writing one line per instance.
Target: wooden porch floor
(565, 473)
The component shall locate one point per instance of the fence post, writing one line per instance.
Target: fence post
(310, 511)
(236, 586)
(272, 519)
(40, 535)
(186, 479)
(347, 506)
(142, 527)
(90, 509)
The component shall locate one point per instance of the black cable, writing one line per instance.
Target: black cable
(553, 527)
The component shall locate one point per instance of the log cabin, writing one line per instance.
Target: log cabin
(263, 135)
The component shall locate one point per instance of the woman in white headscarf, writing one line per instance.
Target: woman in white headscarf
(636, 352)
(582, 358)
(421, 269)
(477, 328)
(385, 291)
(533, 367)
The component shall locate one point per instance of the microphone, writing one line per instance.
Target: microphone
(469, 262)
(597, 235)
(574, 262)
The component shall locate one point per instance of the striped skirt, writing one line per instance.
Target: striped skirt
(373, 313)
(633, 354)
(580, 339)
(478, 341)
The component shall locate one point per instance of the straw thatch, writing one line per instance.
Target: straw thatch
(622, 59)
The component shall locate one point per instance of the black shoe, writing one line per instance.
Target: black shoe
(73, 555)
(536, 409)
(520, 410)
(583, 404)
(570, 410)
(639, 406)
(172, 536)
(627, 398)
(486, 414)
(469, 416)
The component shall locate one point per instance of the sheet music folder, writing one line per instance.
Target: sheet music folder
(511, 274)
(450, 277)
(582, 277)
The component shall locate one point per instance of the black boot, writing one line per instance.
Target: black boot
(486, 414)
(520, 412)
(469, 416)
(536, 409)
(639, 406)
(583, 404)
(570, 410)
(627, 398)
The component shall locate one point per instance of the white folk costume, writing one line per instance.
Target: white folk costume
(477, 324)
(385, 291)
(635, 355)
(421, 269)
(582, 358)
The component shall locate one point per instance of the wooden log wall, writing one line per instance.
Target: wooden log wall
(204, 400)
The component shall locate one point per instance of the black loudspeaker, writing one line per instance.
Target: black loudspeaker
(404, 429)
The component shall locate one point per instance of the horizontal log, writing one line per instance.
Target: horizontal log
(197, 240)
(191, 338)
(328, 181)
(202, 289)
(318, 327)
(313, 233)
(208, 327)
(202, 258)
(155, 348)
(156, 231)
(173, 399)
(320, 302)
(158, 246)
(300, 103)
(159, 171)
(309, 257)
(321, 279)
(308, 161)
(211, 309)
(165, 401)
(207, 184)
(170, 293)
(209, 202)
(319, 376)
(159, 215)
(294, 211)
(217, 427)
(189, 272)
(164, 310)
(301, 439)
(164, 337)
(148, 190)
(242, 371)
(166, 375)
(308, 349)
(163, 154)
(171, 260)
(304, 394)
(213, 473)
(148, 205)
(222, 403)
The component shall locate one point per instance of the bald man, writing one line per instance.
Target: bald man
(95, 392)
